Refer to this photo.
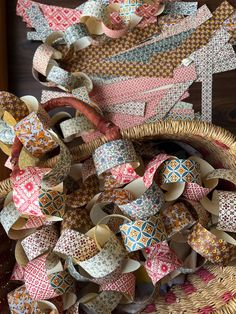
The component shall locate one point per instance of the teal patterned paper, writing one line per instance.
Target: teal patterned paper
(180, 170)
(140, 234)
(144, 53)
(184, 8)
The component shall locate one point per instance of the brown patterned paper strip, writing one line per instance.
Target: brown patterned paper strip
(176, 218)
(163, 64)
(13, 105)
(77, 245)
(93, 53)
(76, 219)
(213, 247)
(84, 194)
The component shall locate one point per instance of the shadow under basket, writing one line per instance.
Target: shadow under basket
(211, 289)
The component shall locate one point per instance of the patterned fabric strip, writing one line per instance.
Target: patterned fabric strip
(185, 8)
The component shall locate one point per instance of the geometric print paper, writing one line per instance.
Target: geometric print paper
(40, 242)
(227, 211)
(26, 186)
(52, 203)
(36, 280)
(180, 170)
(77, 245)
(161, 262)
(140, 233)
(33, 136)
(61, 282)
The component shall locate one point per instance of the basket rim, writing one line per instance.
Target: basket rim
(199, 128)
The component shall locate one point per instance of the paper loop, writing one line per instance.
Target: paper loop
(148, 202)
(62, 168)
(222, 205)
(40, 242)
(152, 167)
(176, 218)
(114, 153)
(77, 36)
(9, 218)
(75, 127)
(15, 107)
(42, 57)
(52, 204)
(212, 246)
(143, 233)
(107, 260)
(161, 261)
(79, 246)
(124, 284)
(26, 185)
(36, 280)
(33, 136)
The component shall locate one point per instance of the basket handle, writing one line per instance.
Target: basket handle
(109, 129)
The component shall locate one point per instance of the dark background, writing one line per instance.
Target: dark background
(21, 82)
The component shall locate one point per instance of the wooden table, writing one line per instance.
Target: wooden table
(20, 53)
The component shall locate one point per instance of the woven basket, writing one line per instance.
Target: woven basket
(212, 289)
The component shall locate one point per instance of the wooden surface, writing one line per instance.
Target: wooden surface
(21, 82)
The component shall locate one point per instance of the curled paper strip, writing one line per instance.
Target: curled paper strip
(52, 204)
(26, 186)
(152, 167)
(76, 219)
(33, 136)
(42, 57)
(143, 233)
(77, 35)
(107, 260)
(124, 174)
(88, 169)
(10, 217)
(217, 247)
(104, 302)
(16, 108)
(147, 203)
(175, 218)
(18, 273)
(124, 284)
(174, 173)
(7, 133)
(20, 301)
(84, 194)
(180, 170)
(161, 261)
(223, 205)
(36, 280)
(79, 246)
(75, 127)
(62, 168)
(113, 154)
(40, 242)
